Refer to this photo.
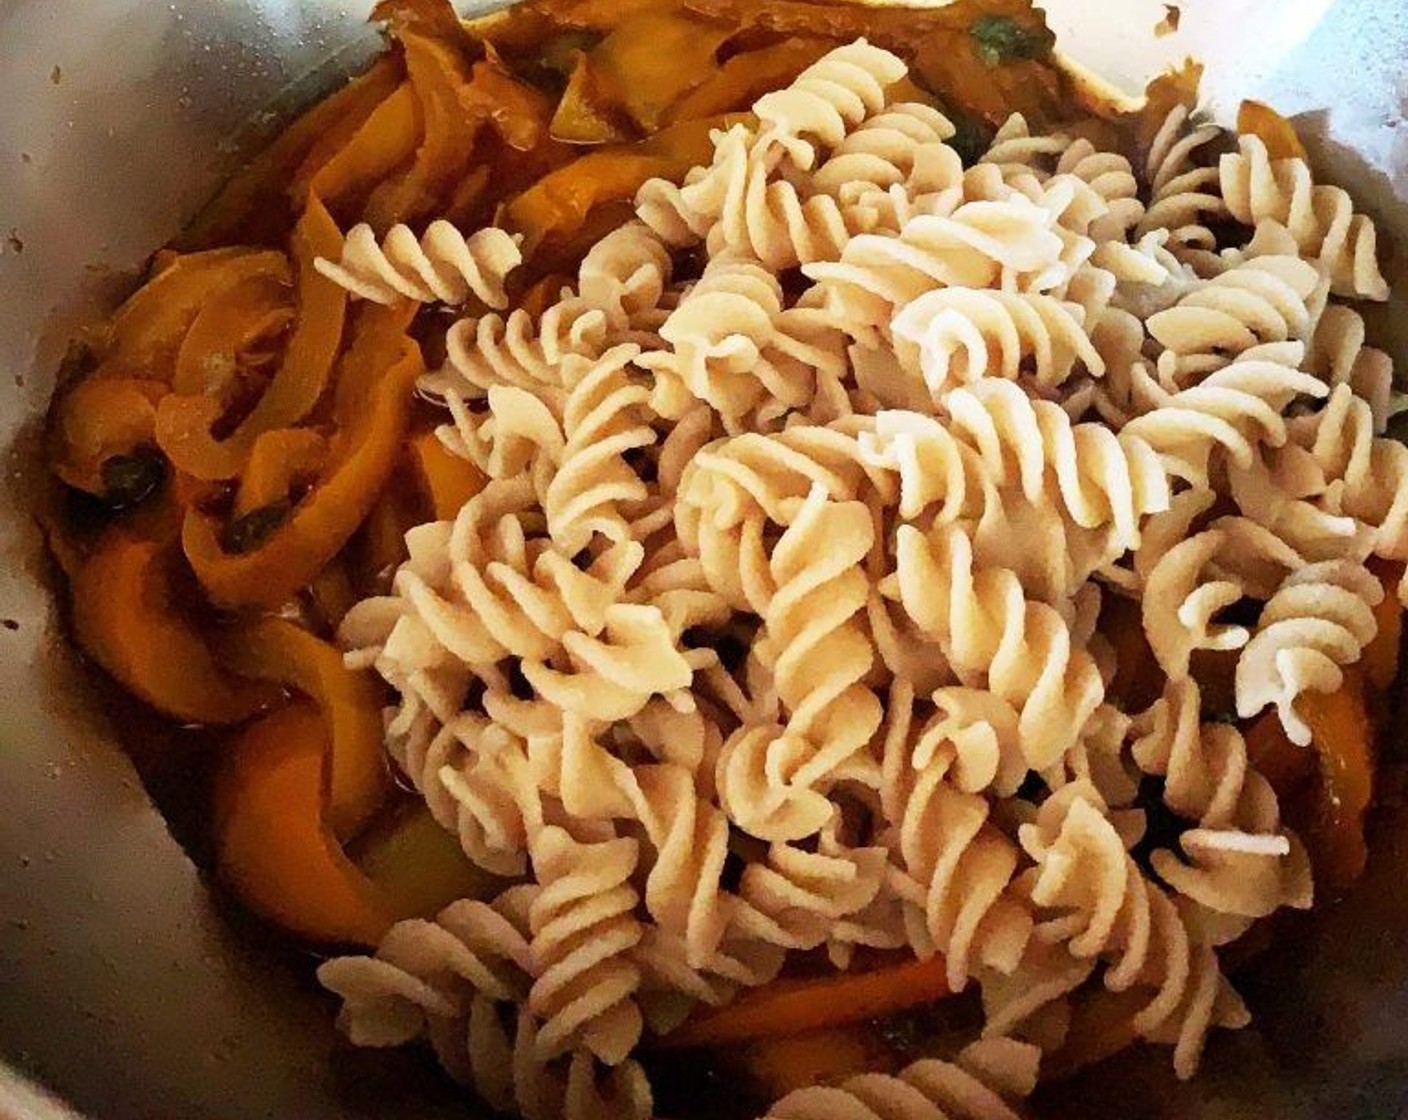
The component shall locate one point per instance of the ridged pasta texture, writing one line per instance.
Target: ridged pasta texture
(822, 523)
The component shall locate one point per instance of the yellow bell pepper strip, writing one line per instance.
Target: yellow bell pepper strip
(445, 480)
(183, 428)
(745, 77)
(1343, 737)
(587, 113)
(280, 460)
(254, 311)
(126, 618)
(385, 141)
(1380, 659)
(377, 380)
(649, 62)
(147, 331)
(556, 207)
(97, 421)
(1256, 118)
(787, 1007)
(438, 74)
(419, 866)
(254, 205)
(273, 846)
(350, 703)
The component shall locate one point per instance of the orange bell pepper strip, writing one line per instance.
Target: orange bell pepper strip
(280, 652)
(587, 113)
(1342, 736)
(273, 846)
(254, 204)
(378, 380)
(279, 461)
(1102, 1025)
(446, 481)
(97, 420)
(745, 77)
(147, 331)
(438, 75)
(256, 309)
(787, 1007)
(1380, 659)
(183, 427)
(126, 618)
(1256, 118)
(385, 141)
(647, 63)
(787, 1063)
(593, 15)
(557, 206)
(1288, 767)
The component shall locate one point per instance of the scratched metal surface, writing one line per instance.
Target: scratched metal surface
(121, 987)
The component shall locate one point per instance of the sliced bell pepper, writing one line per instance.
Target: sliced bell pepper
(125, 616)
(557, 206)
(1256, 118)
(274, 847)
(350, 703)
(587, 113)
(184, 422)
(147, 331)
(372, 410)
(254, 205)
(1288, 767)
(257, 308)
(418, 866)
(280, 460)
(100, 419)
(787, 1007)
(1343, 737)
(383, 142)
(745, 77)
(648, 62)
(446, 481)
(438, 75)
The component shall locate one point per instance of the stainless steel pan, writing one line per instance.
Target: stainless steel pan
(122, 985)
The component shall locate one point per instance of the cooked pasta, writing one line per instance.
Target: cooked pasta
(833, 561)
(442, 266)
(1320, 218)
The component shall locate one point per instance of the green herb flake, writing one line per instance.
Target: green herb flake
(129, 480)
(999, 39)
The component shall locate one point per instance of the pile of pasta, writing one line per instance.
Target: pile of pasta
(869, 545)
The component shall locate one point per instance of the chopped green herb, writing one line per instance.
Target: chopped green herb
(247, 533)
(129, 480)
(999, 39)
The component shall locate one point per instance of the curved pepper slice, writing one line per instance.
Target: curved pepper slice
(254, 204)
(439, 76)
(125, 617)
(1259, 119)
(254, 309)
(273, 846)
(374, 400)
(1342, 736)
(557, 205)
(745, 77)
(97, 420)
(446, 481)
(384, 141)
(279, 461)
(278, 651)
(183, 428)
(147, 331)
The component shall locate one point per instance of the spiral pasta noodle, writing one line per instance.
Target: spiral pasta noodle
(442, 266)
(1321, 218)
(1184, 193)
(1319, 621)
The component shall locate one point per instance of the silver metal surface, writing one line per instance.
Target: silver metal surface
(121, 986)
